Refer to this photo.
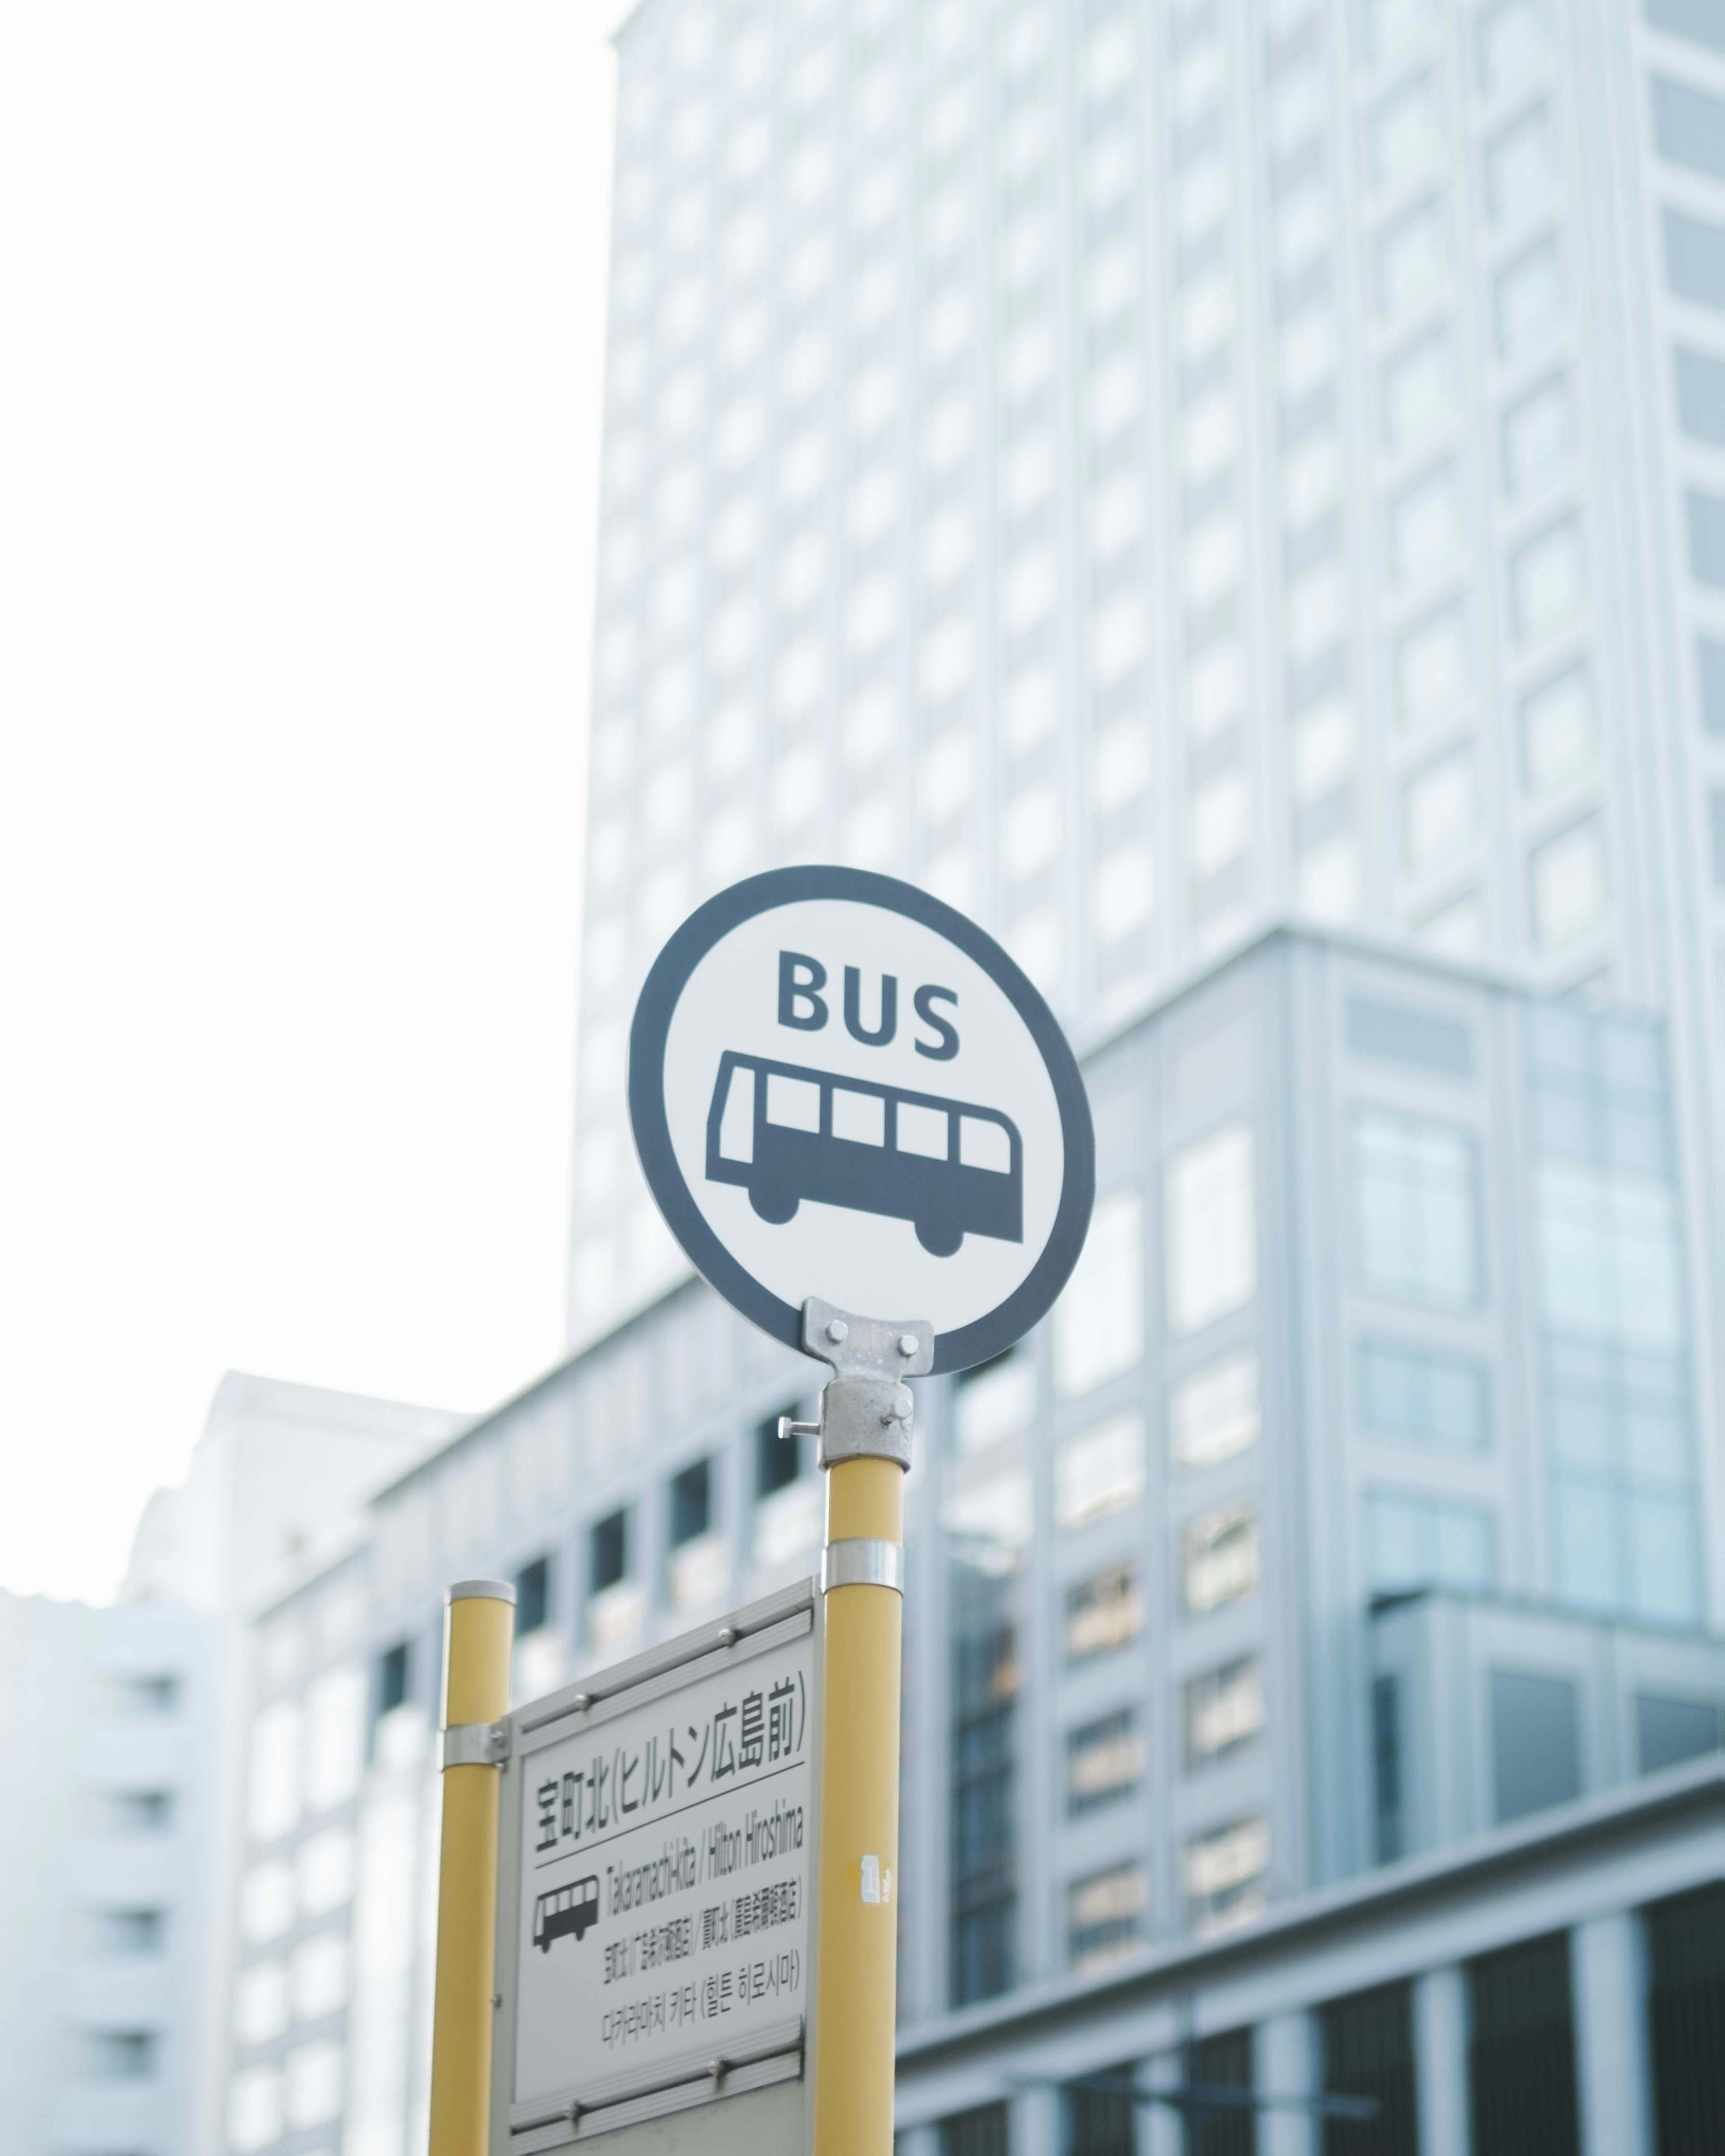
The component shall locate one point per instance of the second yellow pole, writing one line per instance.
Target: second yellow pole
(857, 1954)
(479, 1631)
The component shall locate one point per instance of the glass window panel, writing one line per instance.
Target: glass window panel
(1099, 1471)
(1511, 39)
(1538, 434)
(995, 1402)
(1700, 396)
(1105, 1761)
(1099, 1320)
(1441, 810)
(1212, 1235)
(1105, 1915)
(1415, 1200)
(1224, 1712)
(1225, 1873)
(1689, 127)
(1558, 736)
(1569, 884)
(1219, 1558)
(1214, 1414)
(1588, 1563)
(1104, 1612)
(1528, 297)
(1431, 666)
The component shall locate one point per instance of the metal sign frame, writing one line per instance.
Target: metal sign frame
(984, 1336)
(775, 2059)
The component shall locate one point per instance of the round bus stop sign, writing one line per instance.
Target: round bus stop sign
(841, 1088)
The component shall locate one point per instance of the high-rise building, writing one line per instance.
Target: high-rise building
(1145, 468)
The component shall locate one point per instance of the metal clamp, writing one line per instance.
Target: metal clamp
(865, 1408)
(475, 1745)
(862, 1560)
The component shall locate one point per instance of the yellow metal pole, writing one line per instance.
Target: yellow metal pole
(857, 1955)
(479, 1625)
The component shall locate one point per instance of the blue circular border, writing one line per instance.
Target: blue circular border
(1009, 1321)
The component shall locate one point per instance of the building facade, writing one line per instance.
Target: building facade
(1143, 470)
(1319, 1606)
(110, 1724)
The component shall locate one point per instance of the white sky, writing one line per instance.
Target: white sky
(299, 415)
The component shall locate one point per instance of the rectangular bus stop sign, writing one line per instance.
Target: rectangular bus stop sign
(657, 1882)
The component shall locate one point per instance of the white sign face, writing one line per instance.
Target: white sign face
(666, 1866)
(842, 1088)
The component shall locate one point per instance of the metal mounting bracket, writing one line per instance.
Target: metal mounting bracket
(475, 1745)
(866, 1406)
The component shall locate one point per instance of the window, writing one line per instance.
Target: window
(129, 1934)
(1218, 1557)
(1223, 1712)
(984, 1826)
(1699, 19)
(995, 1401)
(1686, 2023)
(690, 1502)
(1099, 1320)
(1695, 260)
(1700, 396)
(1405, 137)
(1105, 1760)
(1669, 1731)
(335, 1737)
(1538, 434)
(1709, 670)
(314, 2084)
(1124, 888)
(274, 1784)
(1418, 1396)
(261, 2002)
(1418, 392)
(1426, 1542)
(979, 2132)
(1569, 884)
(1431, 666)
(777, 1461)
(1511, 38)
(1214, 1414)
(1536, 1742)
(609, 1545)
(320, 1977)
(1391, 1033)
(1224, 1873)
(1556, 732)
(1440, 810)
(1415, 1209)
(1102, 1470)
(1212, 1237)
(1689, 127)
(255, 2109)
(393, 1672)
(532, 1597)
(1367, 2046)
(266, 1902)
(118, 2055)
(1705, 515)
(1104, 1612)
(1412, 261)
(1529, 297)
(1519, 164)
(133, 1695)
(1098, 2110)
(1219, 823)
(1545, 582)
(1104, 1915)
(325, 1865)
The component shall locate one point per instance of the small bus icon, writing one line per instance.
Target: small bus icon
(785, 1133)
(562, 1909)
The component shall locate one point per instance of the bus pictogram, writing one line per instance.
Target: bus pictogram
(562, 1909)
(783, 1133)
